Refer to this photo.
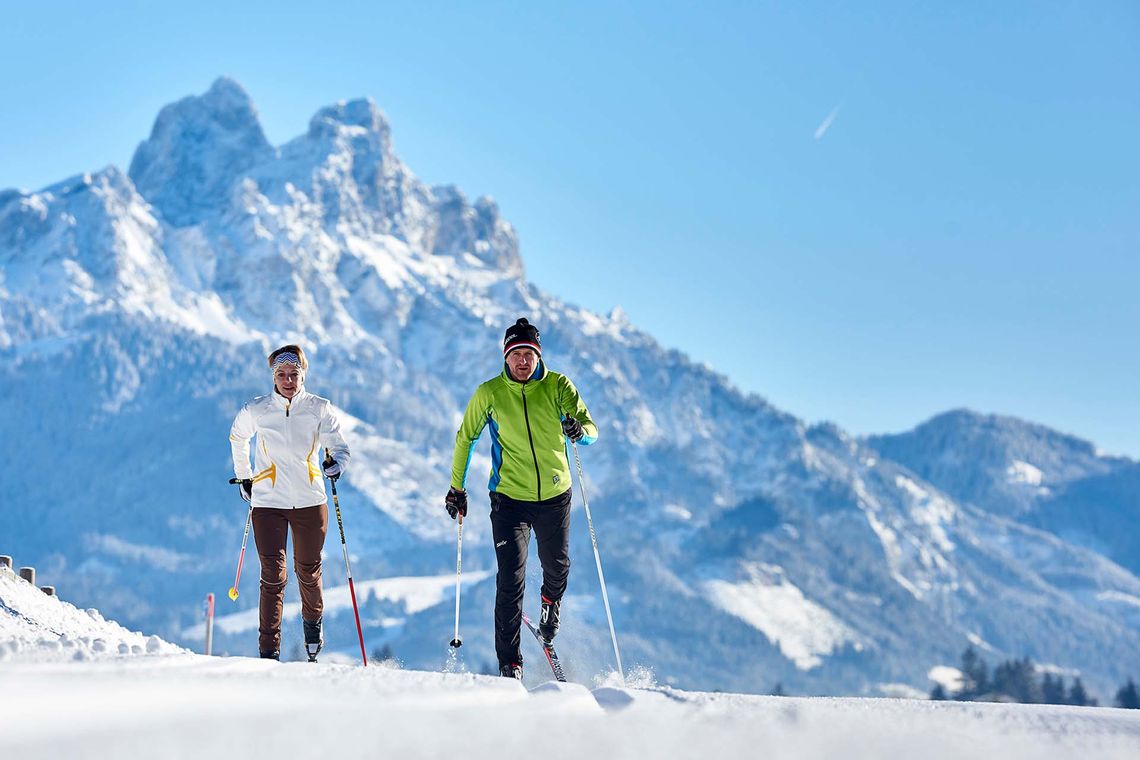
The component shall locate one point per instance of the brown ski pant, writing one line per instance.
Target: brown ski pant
(270, 530)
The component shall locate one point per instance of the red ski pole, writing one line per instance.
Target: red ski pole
(347, 567)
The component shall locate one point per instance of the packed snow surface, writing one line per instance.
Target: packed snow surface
(157, 701)
(191, 706)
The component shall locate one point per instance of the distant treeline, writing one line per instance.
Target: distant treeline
(1017, 681)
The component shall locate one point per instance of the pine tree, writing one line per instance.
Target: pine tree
(1127, 697)
(975, 678)
(1053, 690)
(1077, 694)
(1017, 680)
(778, 689)
(938, 693)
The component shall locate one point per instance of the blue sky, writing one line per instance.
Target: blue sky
(966, 232)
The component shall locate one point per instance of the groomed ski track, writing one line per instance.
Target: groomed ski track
(191, 706)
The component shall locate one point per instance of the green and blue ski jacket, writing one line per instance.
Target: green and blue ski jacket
(528, 447)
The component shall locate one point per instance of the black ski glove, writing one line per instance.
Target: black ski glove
(330, 467)
(456, 502)
(245, 488)
(572, 428)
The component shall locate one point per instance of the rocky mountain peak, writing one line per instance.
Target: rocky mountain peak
(197, 148)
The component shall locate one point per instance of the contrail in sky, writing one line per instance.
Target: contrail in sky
(825, 125)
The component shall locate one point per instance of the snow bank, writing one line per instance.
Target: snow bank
(41, 628)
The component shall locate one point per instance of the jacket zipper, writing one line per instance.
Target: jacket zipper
(533, 453)
(288, 442)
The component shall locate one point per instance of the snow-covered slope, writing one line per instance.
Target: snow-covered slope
(35, 627)
(1044, 478)
(742, 548)
(194, 707)
(179, 705)
(1002, 464)
(1100, 512)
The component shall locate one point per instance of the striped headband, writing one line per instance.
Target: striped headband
(286, 357)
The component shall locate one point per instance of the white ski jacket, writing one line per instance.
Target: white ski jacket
(291, 440)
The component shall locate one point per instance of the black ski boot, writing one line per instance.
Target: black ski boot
(313, 639)
(548, 620)
(514, 670)
(276, 655)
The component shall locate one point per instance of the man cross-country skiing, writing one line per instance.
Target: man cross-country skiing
(293, 428)
(531, 411)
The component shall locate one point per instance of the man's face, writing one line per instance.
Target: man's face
(287, 378)
(521, 363)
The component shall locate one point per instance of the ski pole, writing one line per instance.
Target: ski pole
(458, 642)
(597, 557)
(347, 567)
(244, 538)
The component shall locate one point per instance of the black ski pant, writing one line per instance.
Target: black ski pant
(511, 523)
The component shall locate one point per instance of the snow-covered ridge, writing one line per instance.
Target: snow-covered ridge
(37, 627)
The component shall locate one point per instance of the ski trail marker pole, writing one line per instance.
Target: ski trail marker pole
(244, 538)
(347, 567)
(597, 558)
(209, 623)
(458, 642)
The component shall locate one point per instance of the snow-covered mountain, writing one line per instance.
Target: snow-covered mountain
(1003, 464)
(742, 547)
(1029, 472)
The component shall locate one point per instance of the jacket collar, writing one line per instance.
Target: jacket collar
(282, 402)
(537, 376)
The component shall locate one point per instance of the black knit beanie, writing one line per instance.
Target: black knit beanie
(522, 334)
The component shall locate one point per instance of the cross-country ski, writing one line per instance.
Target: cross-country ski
(547, 649)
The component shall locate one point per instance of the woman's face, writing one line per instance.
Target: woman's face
(287, 378)
(521, 363)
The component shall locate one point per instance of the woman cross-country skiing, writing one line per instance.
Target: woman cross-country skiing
(531, 411)
(293, 427)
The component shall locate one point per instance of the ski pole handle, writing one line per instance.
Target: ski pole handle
(324, 466)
